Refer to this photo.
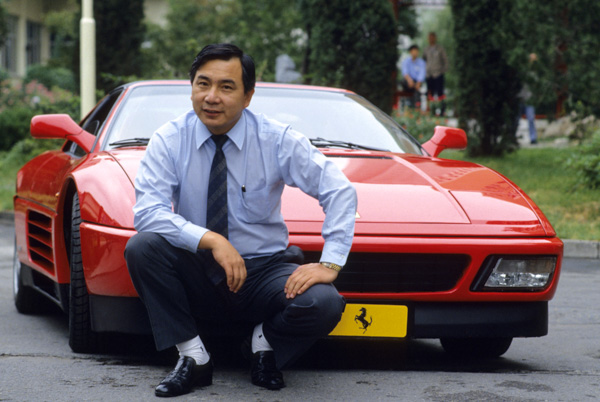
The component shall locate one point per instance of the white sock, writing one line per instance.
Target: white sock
(195, 349)
(259, 342)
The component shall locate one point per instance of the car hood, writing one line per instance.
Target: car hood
(401, 194)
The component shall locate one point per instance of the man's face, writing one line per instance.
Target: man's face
(432, 39)
(218, 94)
(414, 53)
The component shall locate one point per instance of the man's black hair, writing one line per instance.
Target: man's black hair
(226, 51)
(413, 47)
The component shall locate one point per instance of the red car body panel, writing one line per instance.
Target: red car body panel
(427, 209)
(406, 204)
(105, 192)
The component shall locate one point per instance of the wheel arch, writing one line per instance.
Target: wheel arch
(62, 240)
(66, 206)
(106, 192)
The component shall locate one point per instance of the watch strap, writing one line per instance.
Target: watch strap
(331, 265)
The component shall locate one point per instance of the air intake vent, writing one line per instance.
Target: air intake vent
(398, 273)
(39, 235)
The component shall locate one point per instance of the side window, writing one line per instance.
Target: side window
(94, 121)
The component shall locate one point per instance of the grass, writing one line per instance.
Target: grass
(11, 161)
(7, 183)
(573, 211)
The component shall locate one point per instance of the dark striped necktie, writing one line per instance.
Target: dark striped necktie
(216, 211)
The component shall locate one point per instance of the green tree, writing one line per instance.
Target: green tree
(565, 37)
(348, 44)
(352, 45)
(406, 19)
(267, 29)
(487, 83)
(190, 25)
(119, 36)
(63, 25)
(263, 29)
(581, 52)
(3, 24)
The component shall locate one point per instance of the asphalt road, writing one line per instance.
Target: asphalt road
(36, 363)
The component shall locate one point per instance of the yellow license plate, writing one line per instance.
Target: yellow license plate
(373, 320)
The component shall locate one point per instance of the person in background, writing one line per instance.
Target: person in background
(413, 75)
(526, 99)
(437, 64)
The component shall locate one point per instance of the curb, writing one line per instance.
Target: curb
(573, 248)
(582, 249)
(7, 217)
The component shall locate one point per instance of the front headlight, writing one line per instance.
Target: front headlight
(516, 273)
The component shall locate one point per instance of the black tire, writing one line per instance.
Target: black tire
(27, 299)
(81, 337)
(476, 348)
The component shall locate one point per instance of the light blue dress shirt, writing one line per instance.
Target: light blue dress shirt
(414, 68)
(262, 156)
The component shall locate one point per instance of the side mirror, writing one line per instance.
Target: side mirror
(61, 126)
(445, 138)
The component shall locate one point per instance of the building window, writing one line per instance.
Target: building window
(34, 43)
(8, 53)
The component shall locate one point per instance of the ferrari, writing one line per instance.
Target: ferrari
(443, 249)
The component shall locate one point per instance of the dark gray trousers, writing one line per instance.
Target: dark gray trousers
(177, 287)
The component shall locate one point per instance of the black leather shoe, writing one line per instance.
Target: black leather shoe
(184, 377)
(264, 372)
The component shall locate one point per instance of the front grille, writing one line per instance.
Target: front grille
(379, 272)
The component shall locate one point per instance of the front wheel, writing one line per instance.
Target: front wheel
(476, 348)
(81, 337)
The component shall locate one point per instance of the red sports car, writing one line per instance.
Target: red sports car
(443, 249)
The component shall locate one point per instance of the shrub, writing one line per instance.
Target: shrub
(120, 25)
(25, 150)
(419, 125)
(51, 77)
(14, 125)
(586, 162)
(19, 103)
(60, 101)
(488, 85)
(353, 45)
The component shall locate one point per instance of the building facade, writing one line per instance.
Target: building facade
(30, 42)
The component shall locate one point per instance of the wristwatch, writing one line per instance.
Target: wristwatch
(331, 265)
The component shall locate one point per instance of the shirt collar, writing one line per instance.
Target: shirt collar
(236, 134)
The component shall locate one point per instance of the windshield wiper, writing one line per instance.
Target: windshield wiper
(130, 142)
(323, 142)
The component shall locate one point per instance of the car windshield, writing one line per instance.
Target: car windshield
(144, 110)
(330, 119)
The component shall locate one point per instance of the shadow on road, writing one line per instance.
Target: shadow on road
(327, 354)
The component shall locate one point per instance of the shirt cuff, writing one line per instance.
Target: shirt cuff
(335, 253)
(191, 235)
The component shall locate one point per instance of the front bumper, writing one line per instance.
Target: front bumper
(425, 320)
(478, 320)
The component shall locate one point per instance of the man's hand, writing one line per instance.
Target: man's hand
(307, 275)
(418, 85)
(409, 81)
(227, 257)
